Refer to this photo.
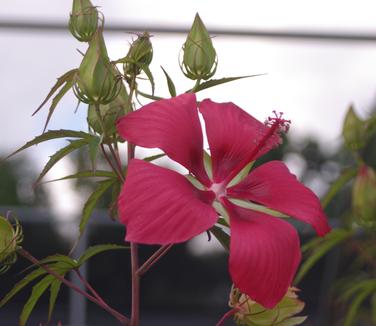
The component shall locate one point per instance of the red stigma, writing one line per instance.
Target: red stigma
(277, 122)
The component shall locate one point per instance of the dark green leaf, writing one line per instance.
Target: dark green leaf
(94, 145)
(222, 236)
(61, 260)
(154, 157)
(94, 250)
(92, 201)
(36, 293)
(215, 82)
(54, 292)
(21, 284)
(87, 174)
(170, 84)
(337, 185)
(331, 239)
(52, 134)
(355, 304)
(73, 145)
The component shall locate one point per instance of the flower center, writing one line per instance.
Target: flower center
(219, 189)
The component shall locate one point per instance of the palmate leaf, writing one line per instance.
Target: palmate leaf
(64, 82)
(95, 250)
(215, 82)
(149, 96)
(320, 248)
(170, 83)
(52, 134)
(94, 145)
(36, 293)
(54, 292)
(73, 145)
(21, 284)
(90, 204)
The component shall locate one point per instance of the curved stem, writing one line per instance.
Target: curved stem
(121, 318)
(226, 315)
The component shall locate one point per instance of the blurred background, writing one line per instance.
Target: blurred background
(317, 58)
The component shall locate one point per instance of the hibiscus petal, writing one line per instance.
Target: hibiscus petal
(274, 186)
(234, 137)
(160, 206)
(264, 255)
(171, 125)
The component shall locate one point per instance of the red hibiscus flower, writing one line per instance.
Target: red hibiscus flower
(160, 206)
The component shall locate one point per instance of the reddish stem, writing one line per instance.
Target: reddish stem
(122, 319)
(153, 259)
(226, 315)
(113, 167)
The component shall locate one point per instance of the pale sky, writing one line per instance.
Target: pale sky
(312, 82)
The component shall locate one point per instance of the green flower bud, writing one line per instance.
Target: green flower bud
(354, 131)
(10, 237)
(364, 197)
(250, 312)
(140, 54)
(199, 56)
(110, 112)
(83, 21)
(96, 81)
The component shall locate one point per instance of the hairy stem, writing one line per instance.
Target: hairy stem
(121, 318)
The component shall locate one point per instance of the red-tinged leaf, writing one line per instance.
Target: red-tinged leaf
(90, 204)
(52, 134)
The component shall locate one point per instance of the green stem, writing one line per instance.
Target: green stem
(122, 319)
(193, 90)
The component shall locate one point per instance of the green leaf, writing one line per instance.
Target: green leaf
(170, 84)
(332, 239)
(337, 185)
(94, 145)
(61, 261)
(36, 293)
(21, 284)
(149, 75)
(255, 207)
(95, 250)
(66, 79)
(52, 134)
(355, 304)
(154, 157)
(150, 97)
(54, 292)
(86, 174)
(222, 236)
(92, 201)
(373, 308)
(61, 153)
(215, 82)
